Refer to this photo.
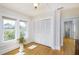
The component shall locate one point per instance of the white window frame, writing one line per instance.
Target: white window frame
(26, 24)
(3, 27)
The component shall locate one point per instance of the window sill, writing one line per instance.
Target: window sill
(9, 41)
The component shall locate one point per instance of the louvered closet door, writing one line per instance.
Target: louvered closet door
(42, 31)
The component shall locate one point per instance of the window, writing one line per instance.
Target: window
(9, 29)
(23, 29)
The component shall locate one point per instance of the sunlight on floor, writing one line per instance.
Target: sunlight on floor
(32, 47)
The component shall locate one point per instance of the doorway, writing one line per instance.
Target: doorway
(69, 42)
(69, 29)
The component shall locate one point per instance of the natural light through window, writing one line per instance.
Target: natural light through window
(9, 29)
(22, 28)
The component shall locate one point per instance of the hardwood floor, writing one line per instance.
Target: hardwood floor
(77, 46)
(39, 50)
(67, 49)
(69, 46)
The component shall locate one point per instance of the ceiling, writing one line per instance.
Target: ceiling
(29, 10)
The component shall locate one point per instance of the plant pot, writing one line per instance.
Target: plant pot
(21, 49)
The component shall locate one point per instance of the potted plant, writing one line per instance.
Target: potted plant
(21, 41)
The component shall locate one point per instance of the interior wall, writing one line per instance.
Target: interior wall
(76, 28)
(72, 12)
(54, 38)
(31, 30)
(58, 31)
(9, 45)
(41, 38)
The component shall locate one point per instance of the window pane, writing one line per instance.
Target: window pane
(9, 29)
(22, 29)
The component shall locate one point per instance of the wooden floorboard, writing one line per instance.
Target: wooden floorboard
(69, 46)
(67, 49)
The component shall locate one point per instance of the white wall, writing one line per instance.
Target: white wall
(50, 39)
(30, 30)
(1, 30)
(55, 38)
(57, 29)
(76, 22)
(10, 45)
